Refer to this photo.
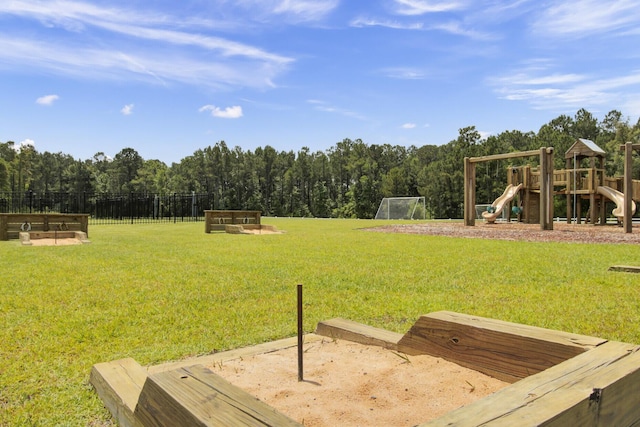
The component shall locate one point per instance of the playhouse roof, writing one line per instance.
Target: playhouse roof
(584, 148)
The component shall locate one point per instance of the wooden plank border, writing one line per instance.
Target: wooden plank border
(625, 268)
(597, 388)
(357, 332)
(580, 379)
(504, 350)
(197, 397)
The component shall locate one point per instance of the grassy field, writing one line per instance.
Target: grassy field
(163, 292)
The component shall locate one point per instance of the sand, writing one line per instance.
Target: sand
(350, 384)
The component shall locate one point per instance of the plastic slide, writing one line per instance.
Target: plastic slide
(618, 198)
(509, 193)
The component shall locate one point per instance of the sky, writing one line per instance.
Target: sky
(168, 77)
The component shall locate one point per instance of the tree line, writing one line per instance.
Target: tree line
(348, 180)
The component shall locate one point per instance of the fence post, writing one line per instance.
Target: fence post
(175, 209)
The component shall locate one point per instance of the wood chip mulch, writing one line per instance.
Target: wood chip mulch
(562, 232)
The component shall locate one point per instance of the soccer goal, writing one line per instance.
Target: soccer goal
(402, 208)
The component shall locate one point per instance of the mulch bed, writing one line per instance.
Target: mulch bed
(562, 232)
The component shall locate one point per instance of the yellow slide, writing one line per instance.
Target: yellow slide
(509, 193)
(618, 198)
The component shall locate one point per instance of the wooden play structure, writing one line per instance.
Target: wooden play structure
(29, 226)
(540, 189)
(557, 378)
(577, 182)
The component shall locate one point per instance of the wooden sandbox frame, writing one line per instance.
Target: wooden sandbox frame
(217, 220)
(558, 378)
(26, 226)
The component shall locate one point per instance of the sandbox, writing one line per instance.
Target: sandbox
(53, 238)
(541, 377)
(39, 229)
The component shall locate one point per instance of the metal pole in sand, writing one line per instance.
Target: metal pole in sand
(300, 352)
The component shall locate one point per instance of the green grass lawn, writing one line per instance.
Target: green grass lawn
(163, 292)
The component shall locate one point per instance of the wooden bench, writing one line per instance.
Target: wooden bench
(217, 220)
(11, 225)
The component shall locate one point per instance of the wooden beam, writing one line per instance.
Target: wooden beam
(634, 146)
(625, 268)
(118, 384)
(358, 332)
(212, 359)
(504, 350)
(195, 396)
(598, 388)
(514, 155)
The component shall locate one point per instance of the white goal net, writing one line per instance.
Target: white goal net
(402, 208)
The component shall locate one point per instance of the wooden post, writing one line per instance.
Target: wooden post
(628, 162)
(546, 188)
(594, 182)
(4, 227)
(602, 213)
(569, 180)
(300, 333)
(469, 192)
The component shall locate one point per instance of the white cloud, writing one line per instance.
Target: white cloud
(197, 58)
(306, 10)
(408, 126)
(458, 29)
(404, 73)
(484, 134)
(47, 99)
(567, 91)
(127, 109)
(234, 112)
(395, 25)
(325, 107)
(585, 17)
(293, 11)
(420, 7)
(451, 27)
(23, 144)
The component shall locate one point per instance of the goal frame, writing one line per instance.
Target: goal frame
(384, 210)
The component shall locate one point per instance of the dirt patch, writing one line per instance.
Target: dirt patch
(562, 232)
(261, 231)
(350, 384)
(55, 242)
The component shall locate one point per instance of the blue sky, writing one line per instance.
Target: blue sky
(168, 77)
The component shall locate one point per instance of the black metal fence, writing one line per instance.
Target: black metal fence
(112, 208)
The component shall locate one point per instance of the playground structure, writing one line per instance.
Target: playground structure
(544, 184)
(556, 378)
(539, 185)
